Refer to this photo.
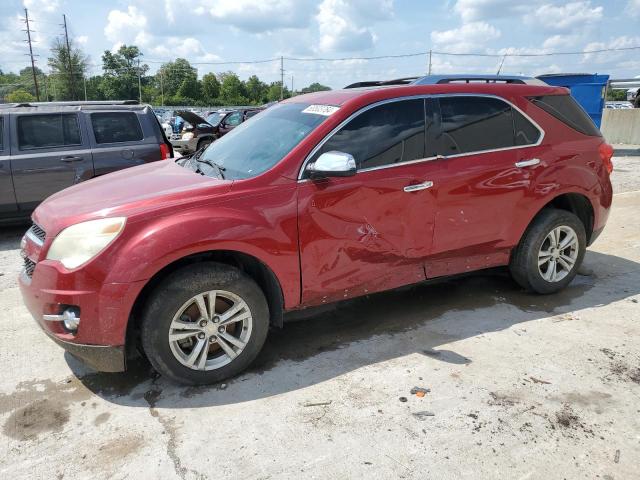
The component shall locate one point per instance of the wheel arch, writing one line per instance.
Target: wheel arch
(255, 268)
(576, 203)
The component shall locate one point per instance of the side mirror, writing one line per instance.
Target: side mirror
(333, 164)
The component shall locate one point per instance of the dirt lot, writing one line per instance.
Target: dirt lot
(521, 386)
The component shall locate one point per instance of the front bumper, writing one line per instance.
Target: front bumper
(185, 146)
(104, 311)
(99, 357)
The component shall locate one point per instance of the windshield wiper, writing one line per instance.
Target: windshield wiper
(219, 168)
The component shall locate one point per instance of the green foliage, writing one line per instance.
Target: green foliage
(210, 87)
(616, 95)
(67, 70)
(121, 70)
(315, 87)
(20, 95)
(175, 83)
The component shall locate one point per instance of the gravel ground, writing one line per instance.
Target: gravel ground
(521, 386)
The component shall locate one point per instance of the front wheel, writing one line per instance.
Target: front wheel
(204, 323)
(550, 252)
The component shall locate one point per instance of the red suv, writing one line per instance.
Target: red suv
(323, 197)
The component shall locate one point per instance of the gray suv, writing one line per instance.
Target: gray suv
(46, 147)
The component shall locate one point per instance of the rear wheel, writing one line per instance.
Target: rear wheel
(550, 252)
(204, 323)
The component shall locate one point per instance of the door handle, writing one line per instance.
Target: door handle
(419, 186)
(528, 163)
(71, 158)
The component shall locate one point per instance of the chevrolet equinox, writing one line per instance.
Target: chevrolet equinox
(323, 197)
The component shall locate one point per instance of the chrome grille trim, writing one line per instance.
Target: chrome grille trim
(36, 234)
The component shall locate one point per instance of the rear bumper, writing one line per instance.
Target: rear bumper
(99, 357)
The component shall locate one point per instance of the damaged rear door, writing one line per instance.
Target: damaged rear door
(371, 231)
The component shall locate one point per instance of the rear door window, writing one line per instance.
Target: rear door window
(567, 110)
(116, 127)
(383, 135)
(48, 131)
(475, 124)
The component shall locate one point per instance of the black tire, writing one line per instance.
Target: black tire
(524, 259)
(167, 299)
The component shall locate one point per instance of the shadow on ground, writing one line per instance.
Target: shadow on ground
(332, 342)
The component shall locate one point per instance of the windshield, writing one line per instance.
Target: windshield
(256, 146)
(214, 118)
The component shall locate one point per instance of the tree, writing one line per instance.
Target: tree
(256, 90)
(174, 74)
(210, 88)
(190, 88)
(121, 70)
(20, 95)
(273, 94)
(67, 70)
(232, 90)
(315, 87)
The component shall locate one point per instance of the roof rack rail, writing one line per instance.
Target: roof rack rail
(70, 103)
(510, 79)
(380, 83)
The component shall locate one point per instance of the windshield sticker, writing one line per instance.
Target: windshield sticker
(325, 110)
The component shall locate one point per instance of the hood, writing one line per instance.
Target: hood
(133, 192)
(191, 117)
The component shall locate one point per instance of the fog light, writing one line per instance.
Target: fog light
(70, 318)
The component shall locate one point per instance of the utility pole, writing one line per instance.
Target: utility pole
(46, 90)
(84, 80)
(66, 39)
(429, 71)
(139, 82)
(292, 85)
(281, 78)
(33, 62)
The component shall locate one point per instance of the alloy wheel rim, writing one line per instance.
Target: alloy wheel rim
(558, 254)
(210, 330)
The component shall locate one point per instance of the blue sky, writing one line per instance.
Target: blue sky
(208, 31)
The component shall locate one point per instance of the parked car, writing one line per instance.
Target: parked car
(201, 132)
(46, 147)
(323, 197)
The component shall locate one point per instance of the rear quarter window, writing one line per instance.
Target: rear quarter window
(48, 131)
(116, 127)
(567, 110)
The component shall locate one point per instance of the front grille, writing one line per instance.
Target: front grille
(29, 267)
(37, 232)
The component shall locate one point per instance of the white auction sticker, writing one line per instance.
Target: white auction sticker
(325, 110)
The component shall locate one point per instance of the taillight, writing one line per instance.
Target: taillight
(606, 152)
(164, 151)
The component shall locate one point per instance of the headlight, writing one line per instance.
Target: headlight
(187, 136)
(80, 243)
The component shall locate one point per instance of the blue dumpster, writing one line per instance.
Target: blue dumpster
(588, 89)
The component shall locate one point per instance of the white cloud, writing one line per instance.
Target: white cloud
(562, 42)
(633, 8)
(467, 38)
(125, 26)
(475, 10)
(346, 25)
(258, 16)
(565, 18)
